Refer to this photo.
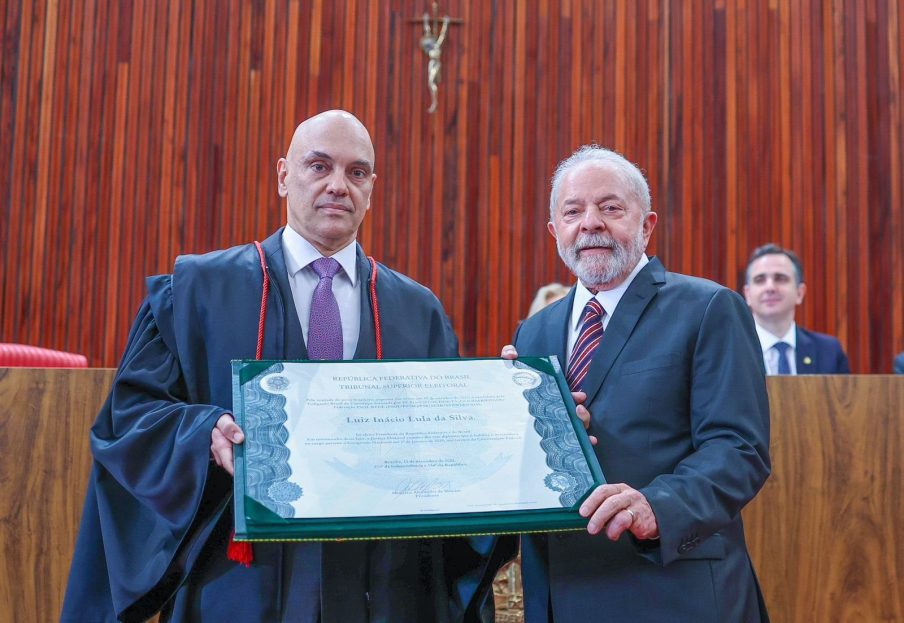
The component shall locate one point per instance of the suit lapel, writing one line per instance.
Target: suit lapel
(560, 316)
(548, 336)
(804, 352)
(283, 338)
(367, 341)
(630, 308)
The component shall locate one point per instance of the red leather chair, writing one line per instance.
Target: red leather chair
(24, 356)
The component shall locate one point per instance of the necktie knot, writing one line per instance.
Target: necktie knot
(326, 267)
(782, 347)
(591, 310)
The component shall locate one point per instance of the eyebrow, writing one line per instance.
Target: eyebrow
(571, 200)
(773, 274)
(315, 154)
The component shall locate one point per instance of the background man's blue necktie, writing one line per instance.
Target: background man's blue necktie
(325, 324)
(782, 348)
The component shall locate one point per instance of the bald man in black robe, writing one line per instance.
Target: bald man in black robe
(157, 517)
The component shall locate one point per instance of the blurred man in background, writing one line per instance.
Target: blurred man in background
(774, 287)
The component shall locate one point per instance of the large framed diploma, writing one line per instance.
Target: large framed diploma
(391, 449)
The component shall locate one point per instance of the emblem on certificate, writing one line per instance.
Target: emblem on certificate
(392, 449)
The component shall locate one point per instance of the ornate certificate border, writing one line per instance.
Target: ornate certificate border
(264, 491)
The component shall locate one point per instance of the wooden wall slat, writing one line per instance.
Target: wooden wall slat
(896, 174)
(131, 131)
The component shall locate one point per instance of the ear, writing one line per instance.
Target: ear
(373, 178)
(649, 223)
(552, 230)
(801, 290)
(747, 294)
(282, 170)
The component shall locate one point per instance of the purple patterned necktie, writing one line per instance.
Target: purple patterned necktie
(588, 340)
(325, 325)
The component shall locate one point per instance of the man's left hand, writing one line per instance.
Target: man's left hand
(616, 508)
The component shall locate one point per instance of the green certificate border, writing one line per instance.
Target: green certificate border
(255, 522)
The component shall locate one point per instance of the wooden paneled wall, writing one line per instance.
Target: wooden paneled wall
(823, 533)
(134, 130)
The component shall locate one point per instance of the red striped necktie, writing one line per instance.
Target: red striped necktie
(588, 340)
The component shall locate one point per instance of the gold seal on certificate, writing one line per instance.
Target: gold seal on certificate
(364, 449)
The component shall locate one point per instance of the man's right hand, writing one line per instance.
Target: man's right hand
(222, 438)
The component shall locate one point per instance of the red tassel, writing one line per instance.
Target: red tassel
(240, 551)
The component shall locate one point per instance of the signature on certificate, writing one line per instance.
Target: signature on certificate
(423, 488)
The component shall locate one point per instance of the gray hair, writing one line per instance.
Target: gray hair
(629, 173)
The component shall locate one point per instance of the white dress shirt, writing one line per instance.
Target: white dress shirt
(607, 298)
(770, 355)
(299, 255)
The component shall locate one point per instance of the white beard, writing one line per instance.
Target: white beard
(597, 270)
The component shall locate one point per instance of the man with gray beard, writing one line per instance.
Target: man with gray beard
(671, 371)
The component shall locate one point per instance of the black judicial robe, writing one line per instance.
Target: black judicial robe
(157, 515)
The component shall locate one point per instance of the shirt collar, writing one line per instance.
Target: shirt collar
(300, 253)
(768, 340)
(608, 298)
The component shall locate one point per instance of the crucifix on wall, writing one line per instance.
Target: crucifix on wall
(435, 30)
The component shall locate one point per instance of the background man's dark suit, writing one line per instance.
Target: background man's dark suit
(818, 353)
(678, 401)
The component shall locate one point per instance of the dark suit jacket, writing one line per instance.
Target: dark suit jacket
(818, 353)
(899, 363)
(677, 398)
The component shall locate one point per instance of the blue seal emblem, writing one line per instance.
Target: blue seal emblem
(284, 492)
(527, 379)
(278, 383)
(559, 481)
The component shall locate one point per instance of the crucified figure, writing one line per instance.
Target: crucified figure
(432, 45)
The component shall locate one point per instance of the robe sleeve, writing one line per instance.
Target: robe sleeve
(158, 494)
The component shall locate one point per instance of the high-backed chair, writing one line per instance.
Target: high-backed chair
(24, 356)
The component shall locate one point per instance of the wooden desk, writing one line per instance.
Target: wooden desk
(822, 533)
(45, 415)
